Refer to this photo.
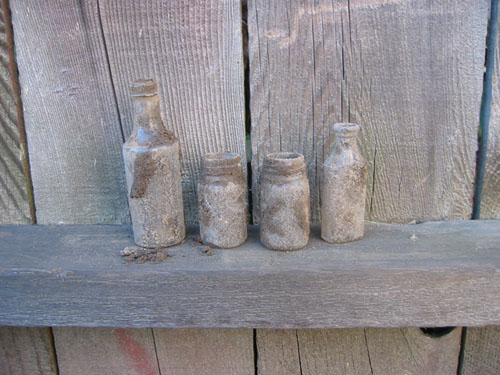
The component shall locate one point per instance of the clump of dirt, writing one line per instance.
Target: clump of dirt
(204, 250)
(142, 255)
(207, 250)
(196, 241)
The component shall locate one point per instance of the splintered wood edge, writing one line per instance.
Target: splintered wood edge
(431, 274)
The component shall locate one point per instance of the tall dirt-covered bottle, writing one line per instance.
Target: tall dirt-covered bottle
(344, 188)
(153, 172)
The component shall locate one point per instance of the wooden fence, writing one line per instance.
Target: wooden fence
(409, 71)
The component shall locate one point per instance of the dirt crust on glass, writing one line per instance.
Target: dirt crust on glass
(222, 201)
(344, 188)
(285, 205)
(153, 173)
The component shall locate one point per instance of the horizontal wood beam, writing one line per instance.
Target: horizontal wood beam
(431, 274)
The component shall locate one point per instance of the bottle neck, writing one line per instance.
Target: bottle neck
(234, 175)
(284, 167)
(147, 118)
(345, 143)
(223, 165)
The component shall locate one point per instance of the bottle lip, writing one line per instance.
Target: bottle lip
(220, 161)
(346, 129)
(144, 87)
(284, 163)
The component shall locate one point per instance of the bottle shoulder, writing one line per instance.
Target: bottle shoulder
(345, 160)
(163, 140)
(145, 138)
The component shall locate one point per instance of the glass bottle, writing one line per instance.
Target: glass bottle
(153, 172)
(222, 201)
(344, 188)
(284, 202)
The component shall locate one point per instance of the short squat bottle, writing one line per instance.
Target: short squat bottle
(153, 172)
(284, 202)
(222, 201)
(344, 188)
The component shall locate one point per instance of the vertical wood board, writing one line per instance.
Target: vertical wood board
(410, 72)
(490, 203)
(205, 351)
(71, 119)
(26, 350)
(193, 50)
(481, 354)
(356, 351)
(278, 352)
(14, 206)
(105, 351)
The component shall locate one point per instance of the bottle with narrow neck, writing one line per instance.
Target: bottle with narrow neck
(153, 172)
(343, 189)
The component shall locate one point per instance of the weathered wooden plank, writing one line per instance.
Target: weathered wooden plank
(205, 351)
(70, 112)
(193, 50)
(490, 204)
(26, 350)
(356, 351)
(277, 352)
(481, 351)
(431, 274)
(414, 85)
(14, 203)
(105, 351)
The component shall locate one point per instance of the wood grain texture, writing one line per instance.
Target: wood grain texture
(105, 351)
(205, 351)
(433, 274)
(356, 351)
(26, 350)
(14, 206)
(482, 351)
(490, 203)
(71, 118)
(278, 352)
(193, 50)
(410, 72)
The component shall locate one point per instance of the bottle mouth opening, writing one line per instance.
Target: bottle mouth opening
(221, 160)
(144, 87)
(285, 156)
(346, 129)
(284, 163)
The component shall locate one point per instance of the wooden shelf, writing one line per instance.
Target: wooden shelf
(432, 274)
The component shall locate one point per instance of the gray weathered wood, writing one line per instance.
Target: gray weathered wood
(410, 72)
(70, 112)
(277, 352)
(205, 351)
(490, 204)
(14, 206)
(432, 274)
(193, 50)
(356, 351)
(26, 350)
(82, 351)
(482, 351)
(482, 345)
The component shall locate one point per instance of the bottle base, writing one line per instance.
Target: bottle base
(284, 247)
(222, 245)
(342, 240)
(159, 245)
